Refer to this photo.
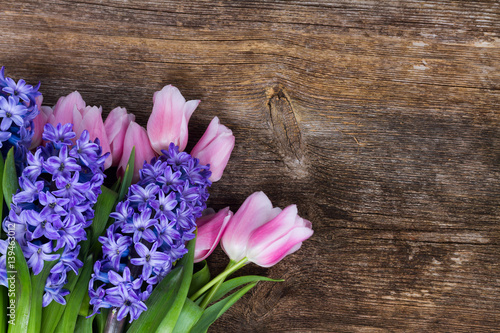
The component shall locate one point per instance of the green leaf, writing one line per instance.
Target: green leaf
(127, 176)
(215, 311)
(200, 278)
(4, 303)
(100, 320)
(38, 288)
(70, 315)
(10, 182)
(169, 321)
(160, 301)
(103, 207)
(84, 308)
(190, 314)
(232, 284)
(20, 295)
(52, 313)
(84, 325)
(85, 245)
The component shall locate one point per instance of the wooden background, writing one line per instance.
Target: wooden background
(380, 119)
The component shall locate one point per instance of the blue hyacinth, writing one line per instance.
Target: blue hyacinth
(151, 228)
(17, 110)
(49, 214)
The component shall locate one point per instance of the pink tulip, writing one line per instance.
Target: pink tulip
(116, 125)
(136, 136)
(90, 119)
(210, 230)
(278, 238)
(263, 234)
(72, 109)
(214, 148)
(254, 212)
(39, 122)
(63, 110)
(169, 119)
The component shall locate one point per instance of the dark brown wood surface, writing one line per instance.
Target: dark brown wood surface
(380, 119)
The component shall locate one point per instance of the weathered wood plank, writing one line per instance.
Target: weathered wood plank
(379, 118)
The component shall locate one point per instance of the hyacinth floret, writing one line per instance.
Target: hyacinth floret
(54, 204)
(18, 108)
(148, 236)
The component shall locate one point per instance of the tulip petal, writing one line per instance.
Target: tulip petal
(63, 110)
(254, 212)
(208, 136)
(210, 230)
(276, 228)
(214, 148)
(92, 122)
(137, 137)
(282, 247)
(39, 122)
(169, 119)
(113, 118)
(116, 125)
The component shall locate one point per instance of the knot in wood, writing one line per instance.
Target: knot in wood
(284, 124)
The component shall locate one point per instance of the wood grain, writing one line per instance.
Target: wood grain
(380, 119)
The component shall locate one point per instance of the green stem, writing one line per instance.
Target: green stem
(228, 271)
(214, 289)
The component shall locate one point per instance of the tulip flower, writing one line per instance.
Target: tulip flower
(210, 230)
(281, 236)
(254, 212)
(72, 109)
(169, 119)
(262, 234)
(136, 136)
(63, 110)
(90, 119)
(116, 125)
(214, 148)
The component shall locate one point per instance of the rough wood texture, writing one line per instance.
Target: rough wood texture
(380, 119)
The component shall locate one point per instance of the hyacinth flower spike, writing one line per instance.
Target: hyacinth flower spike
(72, 109)
(54, 205)
(18, 109)
(152, 225)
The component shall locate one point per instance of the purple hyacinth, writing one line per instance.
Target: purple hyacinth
(17, 110)
(53, 206)
(149, 234)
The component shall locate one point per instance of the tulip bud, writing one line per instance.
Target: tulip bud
(90, 119)
(214, 148)
(263, 234)
(39, 122)
(63, 110)
(136, 136)
(116, 125)
(72, 109)
(210, 230)
(169, 119)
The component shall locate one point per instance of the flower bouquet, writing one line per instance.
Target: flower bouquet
(103, 221)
